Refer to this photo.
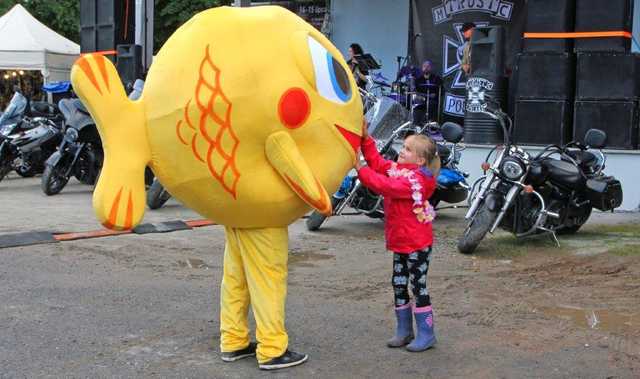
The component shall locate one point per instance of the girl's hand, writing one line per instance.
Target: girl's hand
(358, 165)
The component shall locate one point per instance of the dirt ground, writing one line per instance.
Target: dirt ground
(147, 305)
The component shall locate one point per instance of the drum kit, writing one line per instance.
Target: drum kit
(405, 92)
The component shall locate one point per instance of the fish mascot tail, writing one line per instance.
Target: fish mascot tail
(119, 197)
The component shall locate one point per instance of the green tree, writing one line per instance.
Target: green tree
(63, 16)
(170, 14)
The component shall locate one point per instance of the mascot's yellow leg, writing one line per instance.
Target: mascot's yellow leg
(255, 270)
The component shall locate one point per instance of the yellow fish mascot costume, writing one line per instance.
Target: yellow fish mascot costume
(250, 117)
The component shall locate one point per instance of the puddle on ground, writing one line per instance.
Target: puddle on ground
(605, 320)
(194, 263)
(303, 258)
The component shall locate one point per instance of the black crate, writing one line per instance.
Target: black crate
(608, 76)
(619, 119)
(603, 15)
(542, 122)
(545, 76)
(549, 16)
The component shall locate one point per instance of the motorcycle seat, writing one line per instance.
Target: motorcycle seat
(583, 158)
(444, 152)
(66, 107)
(564, 173)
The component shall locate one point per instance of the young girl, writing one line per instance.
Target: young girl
(406, 187)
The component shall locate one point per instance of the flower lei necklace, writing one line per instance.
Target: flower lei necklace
(423, 210)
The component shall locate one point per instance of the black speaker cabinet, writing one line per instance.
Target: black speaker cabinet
(129, 64)
(607, 76)
(545, 76)
(619, 119)
(487, 51)
(603, 15)
(542, 122)
(104, 24)
(549, 16)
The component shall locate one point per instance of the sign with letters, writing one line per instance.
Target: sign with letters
(437, 31)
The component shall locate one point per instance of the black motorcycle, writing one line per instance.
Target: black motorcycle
(553, 192)
(451, 186)
(80, 153)
(26, 150)
(157, 196)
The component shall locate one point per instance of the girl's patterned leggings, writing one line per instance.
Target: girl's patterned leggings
(412, 268)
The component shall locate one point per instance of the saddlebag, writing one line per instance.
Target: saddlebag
(604, 192)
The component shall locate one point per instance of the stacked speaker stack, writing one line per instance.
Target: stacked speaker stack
(561, 94)
(108, 26)
(487, 77)
(545, 76)
(104, 24)
(607, 74)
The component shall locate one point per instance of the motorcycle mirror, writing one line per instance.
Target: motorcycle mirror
(452, 132)
(595, 138)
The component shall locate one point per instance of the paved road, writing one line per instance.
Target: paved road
(147, 305)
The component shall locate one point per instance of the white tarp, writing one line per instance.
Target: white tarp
(27, 44)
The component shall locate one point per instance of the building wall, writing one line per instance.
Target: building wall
(379, 26)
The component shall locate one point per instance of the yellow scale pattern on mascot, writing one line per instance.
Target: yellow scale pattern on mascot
(249, 116)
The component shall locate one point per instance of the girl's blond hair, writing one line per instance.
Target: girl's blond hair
(427, 149)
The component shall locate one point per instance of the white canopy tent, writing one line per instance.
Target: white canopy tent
(27, 44)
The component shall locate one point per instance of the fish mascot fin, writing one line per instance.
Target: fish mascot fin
(284, 156)
(119, 197)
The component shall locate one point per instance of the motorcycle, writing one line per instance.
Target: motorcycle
(157, 196)
(552, 192)
(26, 151)
(451, 183)
(80, 152)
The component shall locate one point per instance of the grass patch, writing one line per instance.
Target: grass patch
(507, 246)
(631, 228)
(626, 250)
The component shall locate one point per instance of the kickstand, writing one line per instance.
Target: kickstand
(555, 238)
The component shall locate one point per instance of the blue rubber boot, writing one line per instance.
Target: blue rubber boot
(426, 337)
(404, 328)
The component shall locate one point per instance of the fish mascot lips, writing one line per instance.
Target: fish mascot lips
(354, 140)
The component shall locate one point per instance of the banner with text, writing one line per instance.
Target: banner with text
(437, 36)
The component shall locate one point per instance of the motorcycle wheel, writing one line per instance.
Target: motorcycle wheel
(477, 229)
(5, 163)
(85, 169)
(316, 219)
(4, 170)
(26, 169)
(157, 195)
(53, 179)
(574, 228)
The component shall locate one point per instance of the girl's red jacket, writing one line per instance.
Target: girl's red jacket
(403, 232)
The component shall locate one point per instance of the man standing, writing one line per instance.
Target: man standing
(467, 31)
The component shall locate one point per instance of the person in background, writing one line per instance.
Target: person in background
(467, 31)
(360, 74)
(428, 84)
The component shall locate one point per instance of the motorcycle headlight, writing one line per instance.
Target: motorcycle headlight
(512, 169)
(72, 134)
